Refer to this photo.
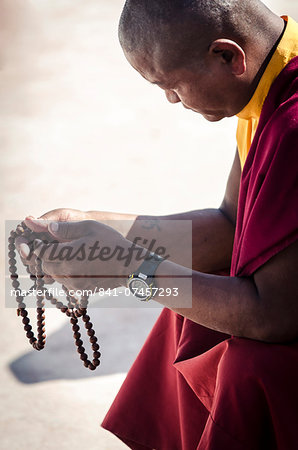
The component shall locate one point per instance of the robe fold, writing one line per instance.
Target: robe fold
(194, 388)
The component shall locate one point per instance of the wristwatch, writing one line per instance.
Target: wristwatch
(141, 283)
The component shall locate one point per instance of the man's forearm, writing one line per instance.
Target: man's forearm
(227, 304)
(119, 221)
(262, 306)
(212, 239)
(212, 235)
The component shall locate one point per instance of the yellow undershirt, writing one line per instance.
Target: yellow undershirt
(248, 118)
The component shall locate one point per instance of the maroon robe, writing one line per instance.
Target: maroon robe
(194, 388)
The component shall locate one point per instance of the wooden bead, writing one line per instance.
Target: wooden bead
(19, 230)
(38, 346)
(76, 308)
(84, 305)
(15, 284)
(91, 332)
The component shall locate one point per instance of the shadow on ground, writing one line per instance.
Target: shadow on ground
(116, 330)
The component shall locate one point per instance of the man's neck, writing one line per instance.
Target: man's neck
(267, 45)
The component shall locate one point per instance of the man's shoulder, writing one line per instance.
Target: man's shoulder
(283, 120)
(284, 91)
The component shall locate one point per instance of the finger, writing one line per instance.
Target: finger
(53, 270)
(31, 269)
(22, 247)
(71, 230)
(55, 252)
(54, 273)
(45, 251)
(37, 225)
(48, 279)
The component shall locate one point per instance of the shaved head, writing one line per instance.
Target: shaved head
(178, 31)
(207, 54)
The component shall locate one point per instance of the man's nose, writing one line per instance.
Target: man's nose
(172, 97)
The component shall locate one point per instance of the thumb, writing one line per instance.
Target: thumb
(37, 225)
(69, 231)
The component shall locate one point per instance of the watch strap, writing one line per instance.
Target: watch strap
(149, 265)
(146, 273)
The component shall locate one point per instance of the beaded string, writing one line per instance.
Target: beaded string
(76, 308)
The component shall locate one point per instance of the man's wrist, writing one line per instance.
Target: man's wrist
(141, 280)
(135, 257)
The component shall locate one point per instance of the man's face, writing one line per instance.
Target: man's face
(204, 91)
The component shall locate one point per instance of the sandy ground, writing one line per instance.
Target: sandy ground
(78, 127)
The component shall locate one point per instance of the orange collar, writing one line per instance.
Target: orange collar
(286, 50)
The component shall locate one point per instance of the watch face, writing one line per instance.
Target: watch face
(139, 288)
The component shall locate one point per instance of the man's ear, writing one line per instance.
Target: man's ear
(230, 53)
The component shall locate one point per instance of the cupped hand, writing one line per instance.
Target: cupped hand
(89, 255)
(40, 225)
(55, 215)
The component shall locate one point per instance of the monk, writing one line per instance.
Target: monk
(221, 374)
